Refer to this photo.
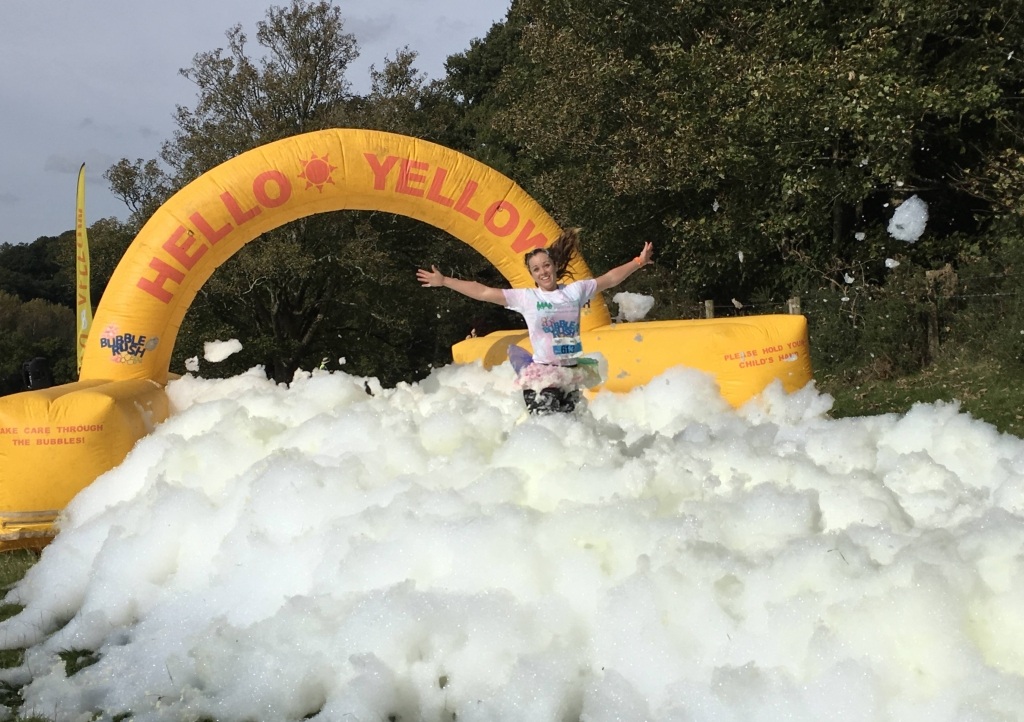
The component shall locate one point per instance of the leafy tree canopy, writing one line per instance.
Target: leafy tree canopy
(775, 130)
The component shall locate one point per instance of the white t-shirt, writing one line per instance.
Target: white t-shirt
(553, 319)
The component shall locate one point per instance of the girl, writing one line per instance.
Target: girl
(552, 313)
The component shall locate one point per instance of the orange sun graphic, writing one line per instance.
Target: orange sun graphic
(317, 172)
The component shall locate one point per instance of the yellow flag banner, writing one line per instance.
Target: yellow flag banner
(84, 314)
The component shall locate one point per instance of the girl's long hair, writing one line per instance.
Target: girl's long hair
(562, 252)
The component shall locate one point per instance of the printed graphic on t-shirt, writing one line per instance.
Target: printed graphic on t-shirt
(553, 319)
(565, 337)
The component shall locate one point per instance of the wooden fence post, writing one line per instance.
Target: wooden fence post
(793, 306)
(940, 283)
(709, 309)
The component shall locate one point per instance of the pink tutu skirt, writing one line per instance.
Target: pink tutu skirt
(537, 376)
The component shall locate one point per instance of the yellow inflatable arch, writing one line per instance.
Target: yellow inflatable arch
(54, 442)
(215, 215)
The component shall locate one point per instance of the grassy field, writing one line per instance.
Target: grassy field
(13, 565)
(985, 390)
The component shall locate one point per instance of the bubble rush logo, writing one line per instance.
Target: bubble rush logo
(560, 327)
(126, 348)
(317, 172)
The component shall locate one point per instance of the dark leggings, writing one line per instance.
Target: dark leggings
(551, 400)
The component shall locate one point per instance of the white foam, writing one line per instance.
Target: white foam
(633, 306)
(909, 220)
(217, 351)
(338, 550)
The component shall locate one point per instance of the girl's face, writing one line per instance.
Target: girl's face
(543, 271)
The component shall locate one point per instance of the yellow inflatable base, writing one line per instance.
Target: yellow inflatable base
(54, 442)
(744, 354)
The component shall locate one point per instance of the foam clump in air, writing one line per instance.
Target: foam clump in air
(909, 220)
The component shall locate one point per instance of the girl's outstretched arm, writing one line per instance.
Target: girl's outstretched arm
(477, 291)
(619, 274)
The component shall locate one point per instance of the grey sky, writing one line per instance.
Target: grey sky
(93, 81)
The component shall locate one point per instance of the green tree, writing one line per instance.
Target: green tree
(108, 239)
(143, 186)
(472, 83)
(423, 330)
(279, 292)
(754, 140)
(35, 329)
(297, 85)
(39, 282)
(311, 290)
(30, 270)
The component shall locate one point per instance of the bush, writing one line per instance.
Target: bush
(989, 305)
(878, 331)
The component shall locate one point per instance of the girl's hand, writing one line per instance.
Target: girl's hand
(430, 279)
(645, 255)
